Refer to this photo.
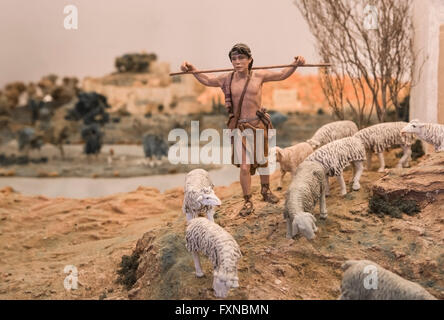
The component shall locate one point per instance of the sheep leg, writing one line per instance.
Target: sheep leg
(327, 187)
(404, 161)
(381, 162)
(289, 228)
(369, 160)
(358, 172)
(342, 184)
(197, 265)
(281, 180)
(322, 204)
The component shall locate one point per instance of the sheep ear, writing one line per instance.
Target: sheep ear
(199, 198)
(278, 153)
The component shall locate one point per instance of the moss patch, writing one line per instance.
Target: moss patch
(381, 205)
(417, 151)
(127, 271)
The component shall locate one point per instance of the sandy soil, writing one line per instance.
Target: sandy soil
(40, 236)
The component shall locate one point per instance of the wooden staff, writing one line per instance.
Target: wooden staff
(321, 65)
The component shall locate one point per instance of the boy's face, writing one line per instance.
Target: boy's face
(240, 61)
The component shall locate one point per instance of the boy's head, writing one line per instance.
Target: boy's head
(241, 49)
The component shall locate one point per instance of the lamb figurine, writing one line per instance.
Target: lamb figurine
(432, 133)
(366, 280)
(306, 188)
(207, 237)
(290, 158)
(381, 136)
(332, 131)
(336, 155)
(199, 195)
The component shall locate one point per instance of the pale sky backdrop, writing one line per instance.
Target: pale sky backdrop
(34, 42)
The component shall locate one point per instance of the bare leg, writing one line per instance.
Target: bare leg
(404, 161)
(322, 204)
(245, 178)
(281, 180)
(342, 184)
(381, 162)
(369, 159)
(199, 272)
(359, 167)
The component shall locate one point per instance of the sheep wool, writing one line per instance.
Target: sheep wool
(432, 133)
(306, 188)
(333, 131)
(336, 155)
(366, 280)
(207, 237)
(381, 136)
(199, 195)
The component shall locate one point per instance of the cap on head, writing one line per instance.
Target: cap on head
(241, 48)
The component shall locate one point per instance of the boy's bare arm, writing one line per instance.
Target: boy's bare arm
(284, 73)
(205, 79)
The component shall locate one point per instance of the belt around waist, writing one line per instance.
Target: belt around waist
(247, 120)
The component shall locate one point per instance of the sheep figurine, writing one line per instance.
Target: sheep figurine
(306, 188)
(290, 158)
(338, 154)
(381, 136)
(332, 131)
(199, 195)
(432, 133)
(366, 280)
(207, 237)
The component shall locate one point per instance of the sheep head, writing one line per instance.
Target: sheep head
(313, 143)
(413, 127)
(304, 223)
(207, 197)
(223, 282)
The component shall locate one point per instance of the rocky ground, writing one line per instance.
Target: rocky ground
(40, 236)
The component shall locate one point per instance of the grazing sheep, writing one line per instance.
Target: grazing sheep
(199, 195)
(290, 158)
(332, 131)
(432, 133)
(366, 280)
(381, 136)
(306, 188)
(207, 237)
(336, 155)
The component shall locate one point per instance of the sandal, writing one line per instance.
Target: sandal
(248, 208)
(267, 195)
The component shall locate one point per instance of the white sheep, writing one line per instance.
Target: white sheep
(381, 136)
(432, 133)
(332, 131)
(336, 155)
(306, 188)
(199, 196)
(366, 280)
(207, 237)
(290, 158)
